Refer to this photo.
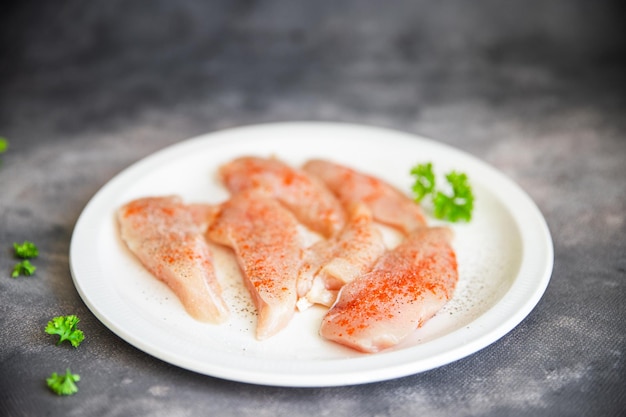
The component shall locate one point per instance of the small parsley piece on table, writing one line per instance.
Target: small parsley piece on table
(63, 384)
(65, 327)
(4, 144)
(23, 268)
(26, 250)
(454, 206)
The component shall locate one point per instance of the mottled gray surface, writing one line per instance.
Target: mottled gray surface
(535, 88)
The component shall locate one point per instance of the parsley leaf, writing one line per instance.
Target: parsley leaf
(424, 181)
(23, 268)
(460, 204)
(4, 144)
(454, 206)
(64, 384)
(65, 327)
(26, 250)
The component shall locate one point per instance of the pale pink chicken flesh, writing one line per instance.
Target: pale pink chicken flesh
(339, 260)
(406, 287)
(388, 204)
(310, 201)
(167, 236)
(264, 236)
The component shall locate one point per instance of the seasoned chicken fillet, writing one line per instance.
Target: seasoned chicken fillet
(355, 250)
(388, 204)
(406, 287)
(339, 260)
(310, 201)
(167, 236)
(264, 236)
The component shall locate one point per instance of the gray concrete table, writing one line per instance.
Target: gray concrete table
(534, 89)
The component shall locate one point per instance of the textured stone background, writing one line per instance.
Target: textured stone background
(535, 88)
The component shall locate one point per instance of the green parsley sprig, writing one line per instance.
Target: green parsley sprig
(63, 384)
(23, 268)
(455, 205)
(25, 251)
(4, 144)
(65, 327)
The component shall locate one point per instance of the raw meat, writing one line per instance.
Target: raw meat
(406, 287)
(167, 236)
(388, 204)
(329, 264)
(310, 201)
(264, 236)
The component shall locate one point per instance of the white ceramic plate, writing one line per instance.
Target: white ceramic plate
(505, 261)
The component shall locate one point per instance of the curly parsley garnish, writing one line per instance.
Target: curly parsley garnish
(63, 384)
(23, 268)
(26, 250)
(65, 327)
(455, 205)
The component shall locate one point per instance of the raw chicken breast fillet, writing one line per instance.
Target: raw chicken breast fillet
(329, 264)
(406, 287)
(265, 238)
(310, 201)
(167, 236)
(388, 204)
